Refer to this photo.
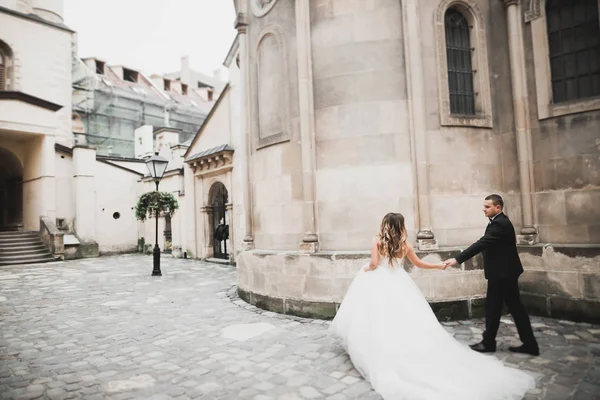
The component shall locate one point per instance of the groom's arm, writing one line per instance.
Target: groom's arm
(492, 235)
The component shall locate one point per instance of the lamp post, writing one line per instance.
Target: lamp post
(157, 166)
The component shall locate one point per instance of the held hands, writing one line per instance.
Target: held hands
(451, 262)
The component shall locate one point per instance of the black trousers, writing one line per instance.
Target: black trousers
(502, 291)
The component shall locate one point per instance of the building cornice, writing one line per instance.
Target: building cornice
(35, 18)
(29, 99)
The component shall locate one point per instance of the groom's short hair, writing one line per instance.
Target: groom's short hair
(496, 200)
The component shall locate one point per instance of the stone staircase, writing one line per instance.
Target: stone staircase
(22, 247)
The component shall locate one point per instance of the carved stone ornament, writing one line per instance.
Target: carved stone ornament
(260, 8)
(534, 10)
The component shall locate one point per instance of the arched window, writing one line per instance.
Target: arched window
(6, 66)
(460, 69)
(574, 49)
(2, 72)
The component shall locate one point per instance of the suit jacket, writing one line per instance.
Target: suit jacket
(499, 246)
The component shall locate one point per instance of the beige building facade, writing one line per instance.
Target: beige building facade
(79, 204)
(35, 104)
(350, 110)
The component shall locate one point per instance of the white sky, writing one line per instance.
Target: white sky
(153, 35)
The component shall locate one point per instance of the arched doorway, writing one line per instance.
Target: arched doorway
(219, 220)
(11, 191)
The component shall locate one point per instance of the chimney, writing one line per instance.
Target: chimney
(186, 75)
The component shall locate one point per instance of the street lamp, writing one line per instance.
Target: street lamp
(157, 166)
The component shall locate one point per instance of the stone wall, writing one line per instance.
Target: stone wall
(560, 282)
(467, 161)
(314, 285)
(275, 154)
(363, 149)
(565, 149)
(567, 178)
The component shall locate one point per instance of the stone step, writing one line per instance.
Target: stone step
(31, 260)
(14, 243)
(16, 232)
(19, 236)
(19, 256)
(218, 261)
(26, 250)
(23, 247)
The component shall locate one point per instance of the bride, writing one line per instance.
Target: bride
(395, 341)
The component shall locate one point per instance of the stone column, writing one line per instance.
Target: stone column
(84, 159)
(48, 178)
(522, 118)
(241, 24)
(310, 240)
(416, 108)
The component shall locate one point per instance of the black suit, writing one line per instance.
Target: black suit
(502, 268)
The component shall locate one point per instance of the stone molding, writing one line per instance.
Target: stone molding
(284, 133)
(481, 77)
(534, 10)
(29, 99)
(510, 3)
(260, 8)
(213, 164)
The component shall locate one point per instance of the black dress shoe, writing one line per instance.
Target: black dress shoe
(482, 348)
(534, 351)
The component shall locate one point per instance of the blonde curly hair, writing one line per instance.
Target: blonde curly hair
(392, 237)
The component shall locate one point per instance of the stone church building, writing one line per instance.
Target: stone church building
(352, 109)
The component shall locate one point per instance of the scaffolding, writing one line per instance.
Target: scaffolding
(111, 114)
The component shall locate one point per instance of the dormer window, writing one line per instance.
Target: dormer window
(100, 67)
(130, 75)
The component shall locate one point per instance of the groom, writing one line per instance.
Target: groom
(502, 268)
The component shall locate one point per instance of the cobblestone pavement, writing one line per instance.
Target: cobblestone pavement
(104, 328)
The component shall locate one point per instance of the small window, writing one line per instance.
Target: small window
(130, 75)
(574, 47)
(166, 85)
(116, 215)
(210, 94)
(460, 69)
(100, 67)
(184, 88)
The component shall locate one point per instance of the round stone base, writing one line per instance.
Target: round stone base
(314, 285)
(559, 281)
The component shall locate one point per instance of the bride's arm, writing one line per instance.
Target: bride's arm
(417, 262)
(374, 257)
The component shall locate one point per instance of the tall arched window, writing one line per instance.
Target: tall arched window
(460, 69)
(2, 72)
(6, 66)
(574, 49)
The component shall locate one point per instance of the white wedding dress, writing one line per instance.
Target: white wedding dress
(395, 341)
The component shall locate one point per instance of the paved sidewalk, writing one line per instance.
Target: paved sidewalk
(104, 328)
